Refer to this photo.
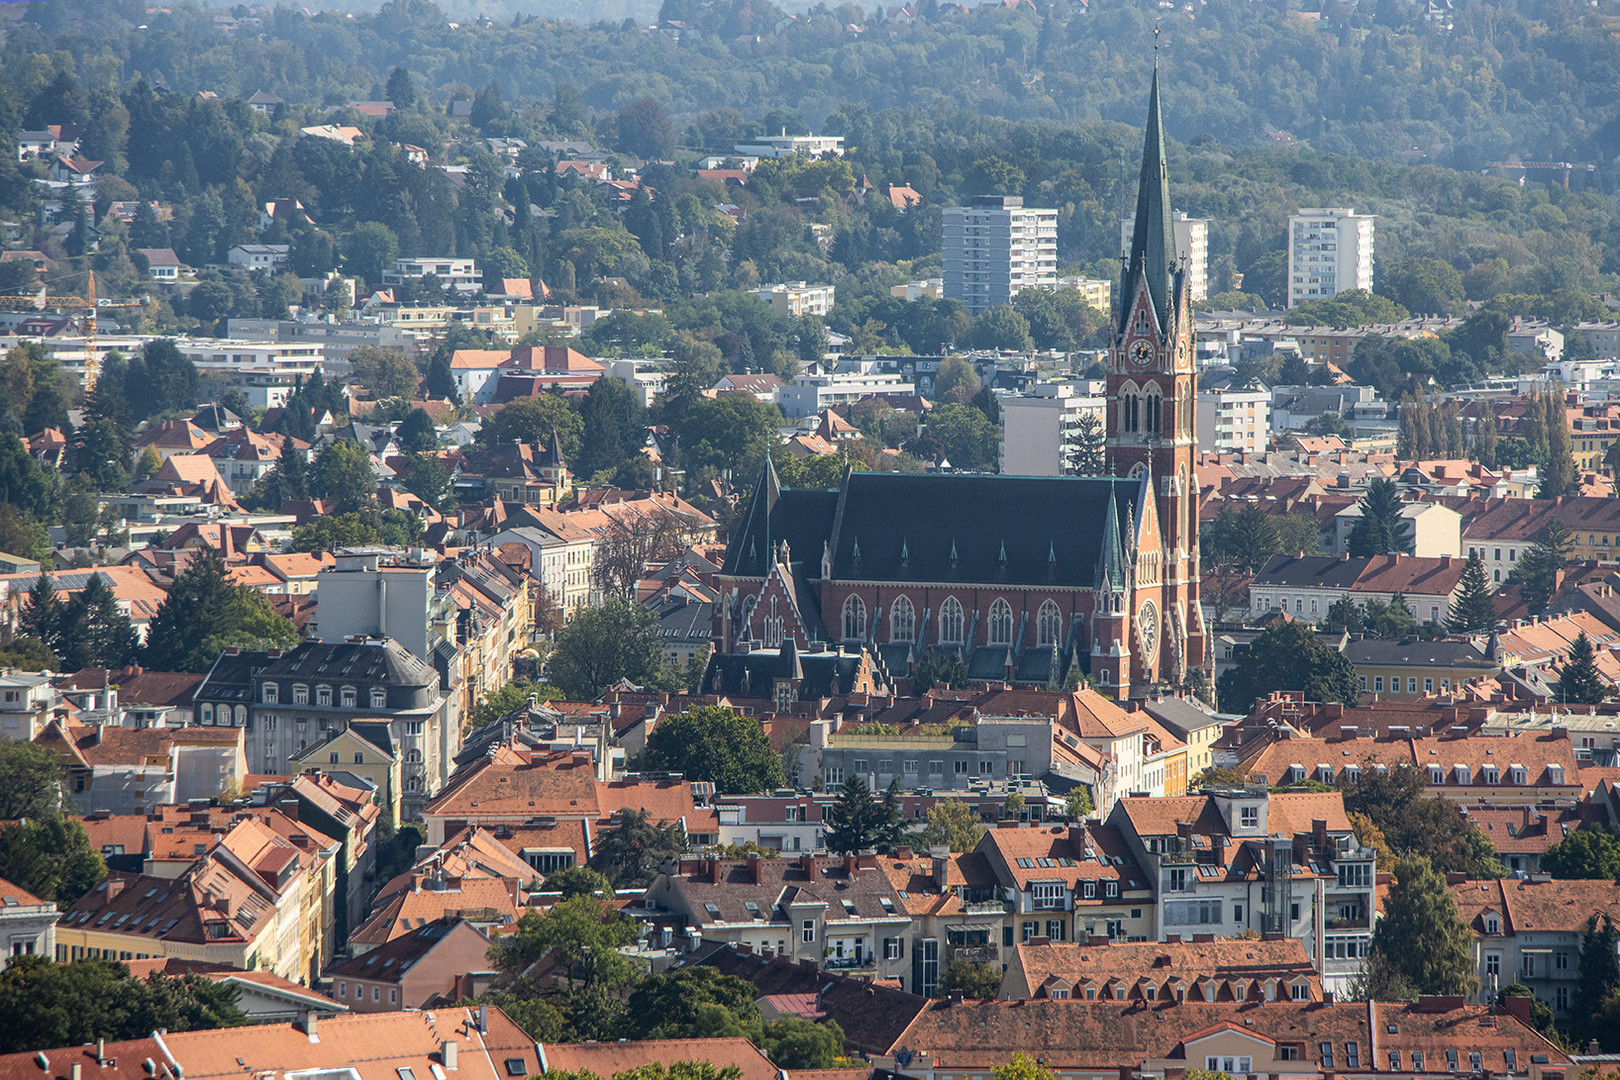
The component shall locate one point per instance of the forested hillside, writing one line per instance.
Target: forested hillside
(1481, 82)
(210, 163)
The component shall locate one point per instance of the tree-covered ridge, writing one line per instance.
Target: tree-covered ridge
(1376, 78)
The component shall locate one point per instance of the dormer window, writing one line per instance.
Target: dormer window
(1492, 774)
(1437, 774)
(323, 695)
(379, 697)
(1555, 774)
(271, 693)
(1493, 923)
(1464, 775)
(350, 696)
(1324, 774)
(1517, 775)
(300, 694)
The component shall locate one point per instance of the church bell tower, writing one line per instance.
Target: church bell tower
(1152, 393)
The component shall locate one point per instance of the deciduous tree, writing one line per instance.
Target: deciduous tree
(716, 744)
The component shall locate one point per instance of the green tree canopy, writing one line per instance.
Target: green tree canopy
(858, 821)
(1592, 854)
(716, 744)
(1421, 937)
(50, 1005)
(204, 613)
(1289, 656)
(601, 645)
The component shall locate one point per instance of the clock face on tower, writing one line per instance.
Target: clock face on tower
(1142, 353)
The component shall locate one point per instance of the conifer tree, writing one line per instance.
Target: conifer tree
(1421, 940)
(1485, 436)
(1473, 612)
(1578, 680)
(42, 613)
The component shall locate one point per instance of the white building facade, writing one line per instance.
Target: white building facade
(1330, 251)
(995, 248)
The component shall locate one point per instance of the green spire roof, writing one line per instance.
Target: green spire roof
(1153, 242)
(1111, 561)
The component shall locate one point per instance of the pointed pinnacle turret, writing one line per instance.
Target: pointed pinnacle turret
(1153, 242)
(1111, 560)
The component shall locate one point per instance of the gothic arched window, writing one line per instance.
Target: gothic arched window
(854, 619)
(902, 620)
(1000, 623)
(950, 622)
(1049, 626)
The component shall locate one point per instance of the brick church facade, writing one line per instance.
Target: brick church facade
(1026, 578)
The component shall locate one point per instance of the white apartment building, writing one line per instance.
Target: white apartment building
(1040, 430)
(785, 145)
(816, 390)
(1329, 251)
(1192, 244)
(995, 248)
(461, 275)
(796, 298)
(1234, 419)
(226, 355)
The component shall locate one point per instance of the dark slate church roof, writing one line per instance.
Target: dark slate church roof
(821, 674)
(1015, 530)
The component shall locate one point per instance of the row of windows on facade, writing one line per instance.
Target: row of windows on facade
(347, 695)
(1411, 684)
(1263, 603)
(360, 993)
(833, 775)
(903, 622)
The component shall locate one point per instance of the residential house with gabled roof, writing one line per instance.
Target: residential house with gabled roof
(1505, 770)
(489, 903)
(471, 1044)
(430, 966)
(837, 912)
(1522, 834)
(1296, 1040)
(265, 998)
(1198, 969)
(872, 1015)
(363, 751)
(1307, 585)
(1069, 883)
(612, 1058)
(1530, 931)
(241, 904)
(132, 696)
(121, 770)
(1232, 859)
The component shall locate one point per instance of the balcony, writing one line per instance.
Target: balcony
(850, 963)
(976, 954)
(1359, 922)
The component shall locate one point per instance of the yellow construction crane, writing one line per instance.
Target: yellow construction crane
(92, 362)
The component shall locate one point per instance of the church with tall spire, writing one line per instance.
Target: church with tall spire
(1026, 579)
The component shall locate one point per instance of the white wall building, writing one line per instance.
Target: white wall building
(816, 390)
(797, 298)
(1192, 244)
(360, 597)
(251, 257)
(1040, 430)
(995, 248)
(460, 275)
(1329, 251)
(785, 145)
(225, 355)
(1234, 420)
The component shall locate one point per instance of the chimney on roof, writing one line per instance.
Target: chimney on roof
(101, 1051)
(288, 806)
(447, 1054)
(308, 1023)
(754, 864)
